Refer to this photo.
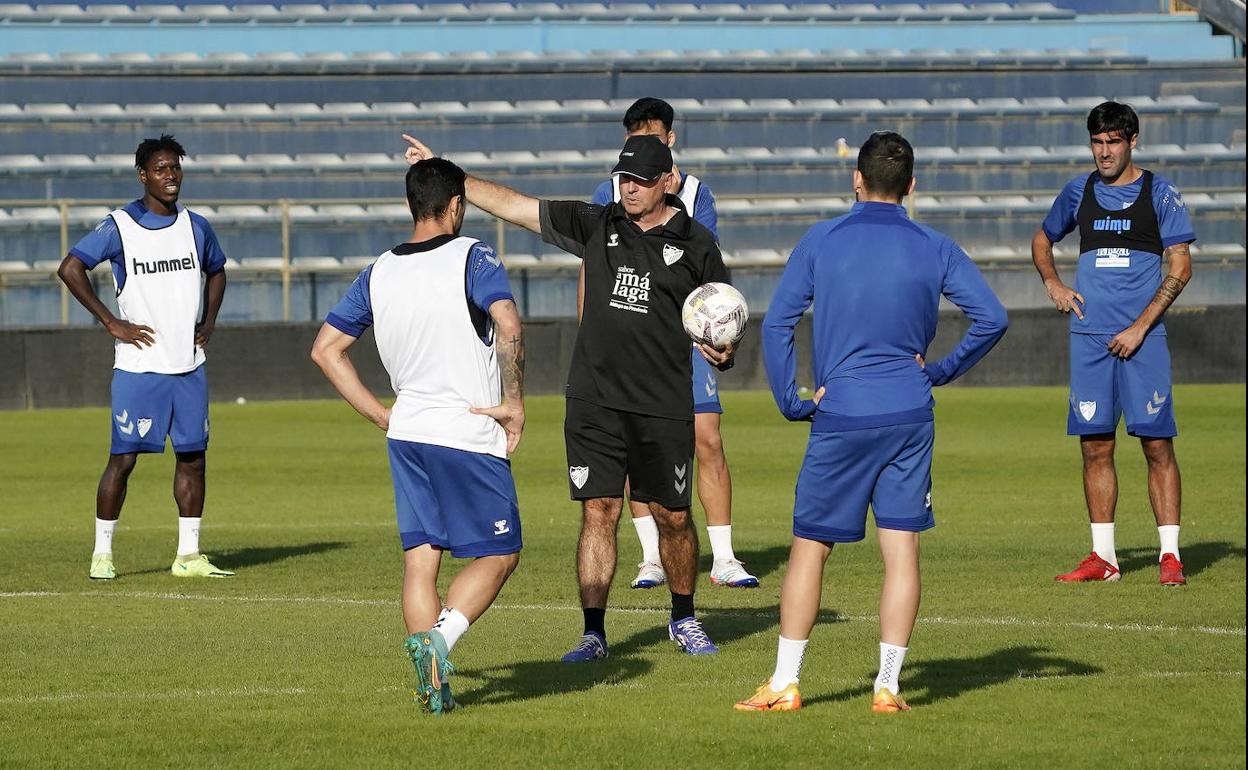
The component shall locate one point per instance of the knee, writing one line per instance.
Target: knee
(601, 514)
(122, 465)
(192, 462)
(709, 448)
(1158, 452)
(504, 564)
(671, 522)
(1097, 453)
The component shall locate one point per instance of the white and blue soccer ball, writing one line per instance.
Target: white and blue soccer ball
(715, 314)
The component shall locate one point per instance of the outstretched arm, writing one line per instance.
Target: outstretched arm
(509, 346)
(1129, 340)
(495, 199)
(329, 351)
(74, 275)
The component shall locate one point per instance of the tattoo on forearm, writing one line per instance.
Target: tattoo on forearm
(1170, 288)
(511, 365)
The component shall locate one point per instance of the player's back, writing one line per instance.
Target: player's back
(436, 345)
(877, 279)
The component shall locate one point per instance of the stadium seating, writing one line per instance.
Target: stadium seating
(313, 13)
(998, 127)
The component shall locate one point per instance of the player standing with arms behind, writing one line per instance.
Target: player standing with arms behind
(875, 278)
(447, 332)
(167, 267)
(1129, 220)
(654, 117)
(629, 407)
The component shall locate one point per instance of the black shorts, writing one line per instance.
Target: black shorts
(605, 446)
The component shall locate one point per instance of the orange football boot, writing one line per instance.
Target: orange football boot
(885, 702)
(767, 699)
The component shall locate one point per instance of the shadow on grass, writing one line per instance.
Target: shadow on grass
(542, 678)
(243, 558)
(1197, 557)
(930, 681)
(761, 563)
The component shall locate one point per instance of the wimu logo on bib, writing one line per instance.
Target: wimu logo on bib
(1109, 224)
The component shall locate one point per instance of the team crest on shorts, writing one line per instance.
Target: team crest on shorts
(145, 424)
(579, 475)
(1087, 409)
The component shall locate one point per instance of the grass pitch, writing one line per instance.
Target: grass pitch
(298, 661)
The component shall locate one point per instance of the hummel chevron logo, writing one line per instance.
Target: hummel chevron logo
(124, 417)
(711, 385)
(681, 482)
(126, 429)
(1154, 406)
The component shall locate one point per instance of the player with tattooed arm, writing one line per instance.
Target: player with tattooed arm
(1130, 221)
(448, 333)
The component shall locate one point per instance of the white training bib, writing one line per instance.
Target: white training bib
(162, 288)
(439, 367)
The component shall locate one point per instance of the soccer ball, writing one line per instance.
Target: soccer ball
(715, 314)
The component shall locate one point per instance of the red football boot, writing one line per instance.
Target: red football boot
(1172, 570)
(1092, 569)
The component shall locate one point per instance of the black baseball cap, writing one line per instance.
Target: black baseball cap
(645, 158)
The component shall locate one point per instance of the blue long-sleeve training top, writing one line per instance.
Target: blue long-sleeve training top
(875, 278)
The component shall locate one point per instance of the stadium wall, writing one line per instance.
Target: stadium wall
(45, 368)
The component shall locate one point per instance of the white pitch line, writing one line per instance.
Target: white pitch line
(244, 525)
(826, 616)
(65, 697)
(172, 695)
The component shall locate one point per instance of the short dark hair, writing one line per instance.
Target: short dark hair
(647, 109)
(149, 147)
(1113, 117)
(431, 184)
(886, 162)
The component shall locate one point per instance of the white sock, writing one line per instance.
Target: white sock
(1103, 542)
(891, 658)
(721, 542)
(789, 654)
(188, 535)
(648, 534)
(104, 536)
(451, 624)
(1169, 535)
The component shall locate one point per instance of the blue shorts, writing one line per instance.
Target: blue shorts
(705, 386)
(888, 468)
(1103, 386)
(149, 406)
(462, 501)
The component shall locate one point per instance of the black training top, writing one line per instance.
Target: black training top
(632, 352)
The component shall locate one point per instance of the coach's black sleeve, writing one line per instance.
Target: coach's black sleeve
(713, 269)
(569, 224)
